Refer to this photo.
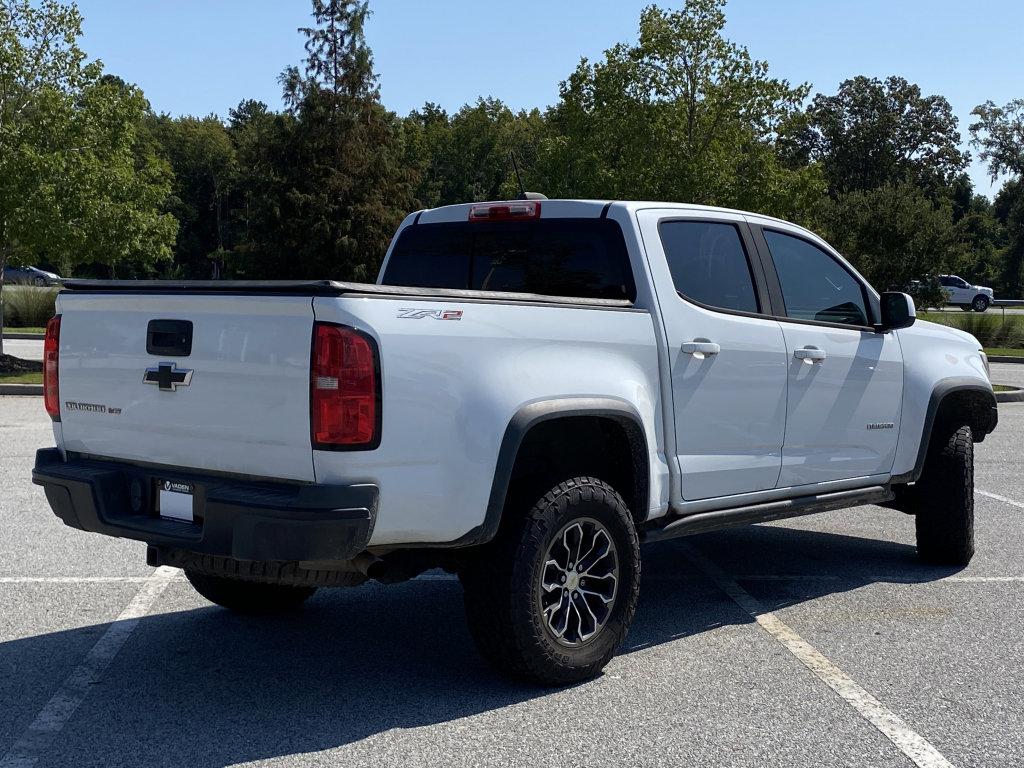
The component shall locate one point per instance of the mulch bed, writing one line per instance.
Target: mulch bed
(12, 364)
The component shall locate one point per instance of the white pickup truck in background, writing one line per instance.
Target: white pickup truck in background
(966, 296)
(530, 391)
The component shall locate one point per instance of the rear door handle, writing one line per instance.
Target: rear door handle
(700, 347)
(810, 354)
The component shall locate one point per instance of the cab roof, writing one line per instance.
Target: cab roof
(551, 209)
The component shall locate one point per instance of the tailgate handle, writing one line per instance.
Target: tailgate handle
(169, 337)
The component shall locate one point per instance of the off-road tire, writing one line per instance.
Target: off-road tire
(945, 499)
(501, 584)
(250, 597)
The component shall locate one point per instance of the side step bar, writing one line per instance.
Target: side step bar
(714, 520)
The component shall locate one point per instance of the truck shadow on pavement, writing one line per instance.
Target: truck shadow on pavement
(203, 687)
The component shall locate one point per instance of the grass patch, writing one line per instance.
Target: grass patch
(21, 378)
(1003, 388)
(30, 329)
(1005, 351)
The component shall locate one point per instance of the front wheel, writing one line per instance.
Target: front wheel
(945, 500)
(248, 596)
(551, 599)
(980, 303)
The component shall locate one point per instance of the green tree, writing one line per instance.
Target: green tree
(874, 132)
(1008, 208)
(893, 234)
(999, 134)
(202, 155)
(75, 185)
(467, 157)
(683, 114)
(258, 137)
(337, 184)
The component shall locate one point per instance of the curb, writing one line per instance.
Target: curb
(32, 336)
(21, 389)
(1016, 395)
(1006, 359)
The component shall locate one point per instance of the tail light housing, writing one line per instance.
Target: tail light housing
(344, 389)
(51, 375)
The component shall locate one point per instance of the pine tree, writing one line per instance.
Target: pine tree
(338, 186)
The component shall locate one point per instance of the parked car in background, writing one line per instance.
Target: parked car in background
(30, 276)
(965, 295)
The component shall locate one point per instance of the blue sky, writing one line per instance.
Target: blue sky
(201, 57)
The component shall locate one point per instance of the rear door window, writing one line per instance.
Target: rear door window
(708, 264)
(583, 258)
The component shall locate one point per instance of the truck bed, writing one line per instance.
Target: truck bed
(455, 366)
(323, 288)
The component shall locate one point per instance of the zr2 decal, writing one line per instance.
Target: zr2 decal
(437, 314)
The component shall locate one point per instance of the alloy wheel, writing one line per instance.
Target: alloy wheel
(579, 582)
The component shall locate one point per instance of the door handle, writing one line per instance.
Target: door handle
(700, 348)
(810, 354)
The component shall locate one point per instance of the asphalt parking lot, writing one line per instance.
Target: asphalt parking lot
(106, 662)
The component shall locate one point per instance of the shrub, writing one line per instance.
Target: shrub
(27, 307)
(927, 292)
(992, 330)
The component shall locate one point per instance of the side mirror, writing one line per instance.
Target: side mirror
(897, 311)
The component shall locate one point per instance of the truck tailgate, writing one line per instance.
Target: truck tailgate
(243, 409)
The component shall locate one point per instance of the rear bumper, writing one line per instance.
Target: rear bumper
(244, 520)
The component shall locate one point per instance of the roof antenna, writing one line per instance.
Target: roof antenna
(523, 194)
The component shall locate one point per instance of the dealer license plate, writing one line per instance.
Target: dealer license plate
(174, 500)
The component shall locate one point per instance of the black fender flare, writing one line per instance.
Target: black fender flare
(982, 425)
(533, 414)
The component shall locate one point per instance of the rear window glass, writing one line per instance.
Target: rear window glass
(584, 258)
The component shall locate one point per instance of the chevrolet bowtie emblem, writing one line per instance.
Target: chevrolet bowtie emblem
(168, 376)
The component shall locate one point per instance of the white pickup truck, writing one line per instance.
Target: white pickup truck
(531, 391)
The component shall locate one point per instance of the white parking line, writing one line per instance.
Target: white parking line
(74, 579)
(884, 578)
(866, 577)
(997, 497)
(55, 714)
(908, 741)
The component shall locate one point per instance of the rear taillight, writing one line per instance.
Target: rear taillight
(51, 380)
(344, 389)
(515, 210)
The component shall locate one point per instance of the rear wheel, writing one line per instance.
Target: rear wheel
(966, 307)
(248, 596)
(980, 303)
(945, 499)
(551, 599)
